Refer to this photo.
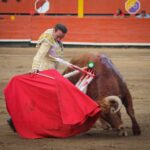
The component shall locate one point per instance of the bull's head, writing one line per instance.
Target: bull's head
(110, 114)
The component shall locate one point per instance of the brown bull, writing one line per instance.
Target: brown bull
(107, 82)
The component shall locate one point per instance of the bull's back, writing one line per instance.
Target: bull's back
(108, 80)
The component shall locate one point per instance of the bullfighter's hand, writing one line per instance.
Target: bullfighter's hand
(33, 71)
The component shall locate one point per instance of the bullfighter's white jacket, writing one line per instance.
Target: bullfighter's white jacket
(47, 47)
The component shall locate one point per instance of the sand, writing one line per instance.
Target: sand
(134, 65)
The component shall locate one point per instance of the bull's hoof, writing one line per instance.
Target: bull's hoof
(122, 131)
(136, 130)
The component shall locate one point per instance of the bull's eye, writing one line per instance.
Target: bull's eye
(91, 64)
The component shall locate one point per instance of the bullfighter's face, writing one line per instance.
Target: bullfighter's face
(58, 35)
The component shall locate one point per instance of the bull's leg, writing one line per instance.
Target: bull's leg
(135, 127)
(127, 101)
(103, 124)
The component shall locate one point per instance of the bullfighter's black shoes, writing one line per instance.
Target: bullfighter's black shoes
(11, 125)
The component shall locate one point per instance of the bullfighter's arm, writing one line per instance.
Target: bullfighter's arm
(41, 53)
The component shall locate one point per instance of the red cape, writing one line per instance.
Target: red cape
(43, 107)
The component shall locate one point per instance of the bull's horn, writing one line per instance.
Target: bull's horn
(114, 99)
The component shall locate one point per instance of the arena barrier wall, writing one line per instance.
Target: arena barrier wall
(87, 29)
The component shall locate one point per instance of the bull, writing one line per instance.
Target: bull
(107, 82)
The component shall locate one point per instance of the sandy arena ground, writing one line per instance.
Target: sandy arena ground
(134, 65)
